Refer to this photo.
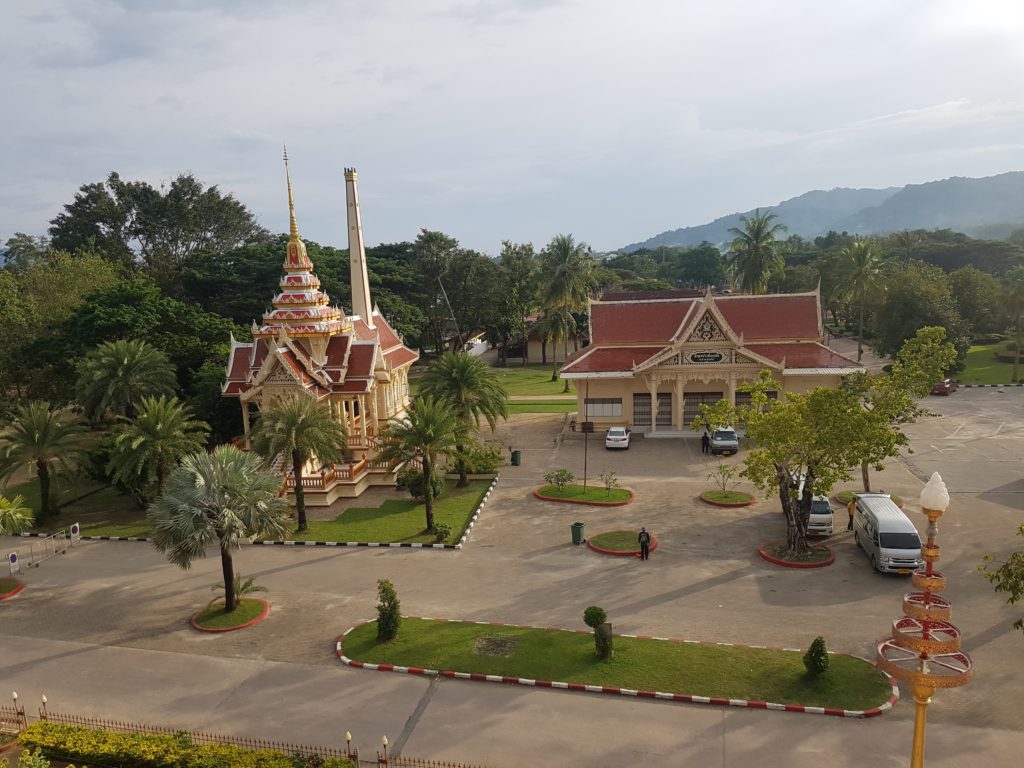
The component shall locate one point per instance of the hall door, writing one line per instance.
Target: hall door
(641, 409)
(692, 402)
(664, 409)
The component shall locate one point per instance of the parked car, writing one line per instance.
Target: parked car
(944, 387)
(819, 522)
(886, 534)
(617, 437)
(725, 441)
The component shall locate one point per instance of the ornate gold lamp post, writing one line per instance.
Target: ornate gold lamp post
(924, 649)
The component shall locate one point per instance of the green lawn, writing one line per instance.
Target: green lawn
(984, 368)
(594, 492)
(213, 616)
(101, 509)
(401, 520)
(728, 497)
(652, 665)
(7, 584)
(542, 406)
(617, 541)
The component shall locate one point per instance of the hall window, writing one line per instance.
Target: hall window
(603, 406)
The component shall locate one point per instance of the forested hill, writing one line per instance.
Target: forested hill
(990, 206)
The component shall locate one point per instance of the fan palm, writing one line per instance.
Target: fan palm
(471, 389)
(1012, 299)
(41, 440)
(757, 256)
(217, 498)
(861, 271)
(15, 517)
(117, 374)
(429, 430)
(300, 429)
(570, 279)
(161, 433)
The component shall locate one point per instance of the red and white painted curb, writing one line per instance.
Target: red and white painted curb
(688, 698)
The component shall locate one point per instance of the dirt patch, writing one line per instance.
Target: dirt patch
(495, 645)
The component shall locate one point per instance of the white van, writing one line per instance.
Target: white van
(886, 534)
(819, 521)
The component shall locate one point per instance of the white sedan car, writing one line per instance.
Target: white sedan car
(617, 437)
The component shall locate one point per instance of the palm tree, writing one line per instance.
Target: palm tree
(15, 517)
(757, 256)
(861, 272)
(217, 498)
(570, 279)
(300, 429)
(429, 430)
(39, 439)
(471, 389)
(161, 433)
(117, 374)
(1012, 299)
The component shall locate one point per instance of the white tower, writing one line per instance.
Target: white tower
(358, 275)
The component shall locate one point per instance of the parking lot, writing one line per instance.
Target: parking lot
(95, 625)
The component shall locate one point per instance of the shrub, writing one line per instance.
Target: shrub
(723, 475)
(411, 479)
(595, 617)
(388, 617)
(146, 750)
(559, 477)
(441, 531)
(481, 458)
(610, 480)
(816, 658)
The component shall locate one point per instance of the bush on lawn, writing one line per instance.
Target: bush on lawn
(411, 478)
(481, 458)
(559, 477)
(816, 658)
(388, 617)
(147, 750)
(596, 618)
(441, 531)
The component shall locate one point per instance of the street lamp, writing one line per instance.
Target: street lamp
(924, 649)
(44, 706)
(384, 743)
(14, 697)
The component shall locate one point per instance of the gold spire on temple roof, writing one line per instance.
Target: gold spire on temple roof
(294, 231)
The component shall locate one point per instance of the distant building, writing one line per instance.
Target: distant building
(651, 362)
(356, 363)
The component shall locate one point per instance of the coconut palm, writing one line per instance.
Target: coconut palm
(1012, 299)
(300, 429)
(861, 275)
(757, 258)
(471, 389)
(144, 448)
(570, 280)
(15, 517)
(217, 498)
(115, 376)
(430, 430)
(41, 440)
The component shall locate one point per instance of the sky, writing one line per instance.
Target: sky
(497, 120)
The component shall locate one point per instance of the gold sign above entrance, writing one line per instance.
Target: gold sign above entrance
(706, 356)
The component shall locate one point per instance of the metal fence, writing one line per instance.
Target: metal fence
(12, 719)
(35, 551)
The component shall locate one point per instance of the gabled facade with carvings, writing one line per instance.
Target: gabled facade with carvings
(652, 362)
(356, 363)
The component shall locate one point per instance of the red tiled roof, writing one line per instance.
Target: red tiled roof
(337, 350)
(608, 359)
(360, 361)
(356, 385)
(363, 331)
(802, 355)
(771, 317)
(401, 356)
(238, 365)
(636, 322)
(260, 353)
(385, 335)
(235, 388)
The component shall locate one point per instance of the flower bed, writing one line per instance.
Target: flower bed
(727, 498)
(819, 556)
(577, 494)
(250, 611)
(618, 543)
(10, 587)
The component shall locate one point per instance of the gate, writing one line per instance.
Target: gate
(664, 418)
(641, 409)
(692, 402)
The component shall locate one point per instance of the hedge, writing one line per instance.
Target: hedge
(145, 750)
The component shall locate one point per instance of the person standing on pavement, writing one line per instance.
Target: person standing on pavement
(849, 510)
(705, 442)
(645, 544)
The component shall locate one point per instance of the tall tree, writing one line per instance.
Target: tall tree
(977, 298)
(432, 253)
(862, 271)
(430, 430)
(301, 430)
(115, 376)
(41, 440)
(568, 267)
(518, 285)
(757, 256)
(217, 498)
(1012, 300)
(144, 448)
(471, 389)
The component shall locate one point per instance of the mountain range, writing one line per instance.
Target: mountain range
(990, 207)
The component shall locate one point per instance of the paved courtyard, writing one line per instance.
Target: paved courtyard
(103, 629)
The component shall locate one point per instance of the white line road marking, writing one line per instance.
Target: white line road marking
(937, 448)
(1001, 424)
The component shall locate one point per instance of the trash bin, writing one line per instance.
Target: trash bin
(577, 532)
(516, 458)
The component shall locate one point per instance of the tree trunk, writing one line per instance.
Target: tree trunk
(46, 507)
(796, 523)
(428, 491)
(865, 477)
(161, 472)
(300, 494)
(526, 343)
(227, 567)
(860, 333)
(461, 463)
(543, 352)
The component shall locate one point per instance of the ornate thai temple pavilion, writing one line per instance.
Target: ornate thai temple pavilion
(652, 362)
(356, 363)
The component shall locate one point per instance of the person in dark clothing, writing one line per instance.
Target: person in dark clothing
(705, 442)
(645, 544)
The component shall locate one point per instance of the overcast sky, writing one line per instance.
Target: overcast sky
(505, 119)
